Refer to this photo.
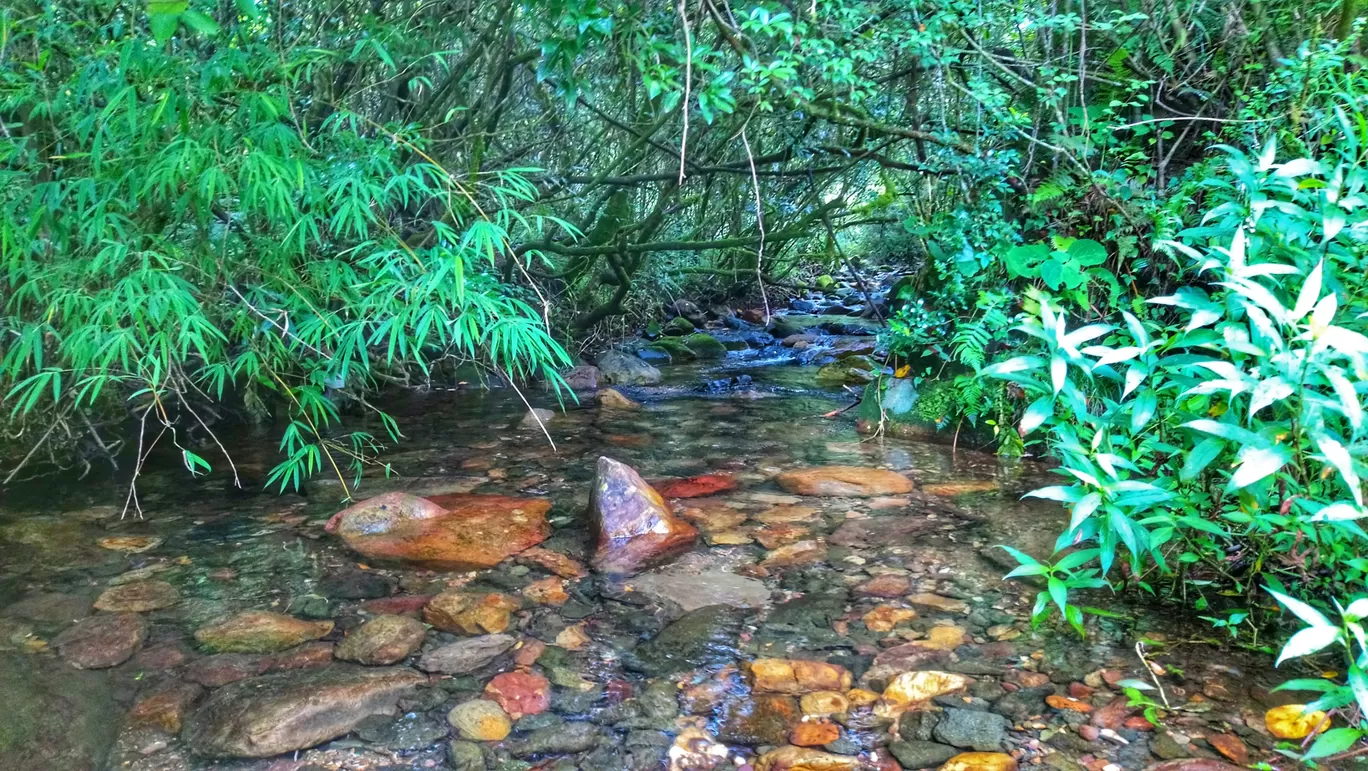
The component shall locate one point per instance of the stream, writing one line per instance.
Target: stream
(802, 629)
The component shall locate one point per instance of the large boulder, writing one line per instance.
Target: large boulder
(623, 369)
(443, 532)
(636, 526)
(56, 717)
(844, 481)
(288, 711)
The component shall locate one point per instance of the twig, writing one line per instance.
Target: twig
(759, 223)
(688, 85)
(1140, 651)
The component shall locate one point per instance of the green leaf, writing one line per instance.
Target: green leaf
(1040, 410)
(1088, 252)
(163, 25)
(1023, 261)
(1200, 457)
(1308, 641)
(200, 23)
(1257, 463)
(1052, 273)
(1302, 611)
(248, 8)
(1333, 742)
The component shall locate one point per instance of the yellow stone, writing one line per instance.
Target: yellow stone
(573, 638)
(937, 602)
(912, 688)
(547, 591)
(859, 697)
(1290, 722)
(980, 761)
(786, 514)
(796, 676)
(729, 538)
(943, 638)
(803, 759)
(885, 617)
(823, 703)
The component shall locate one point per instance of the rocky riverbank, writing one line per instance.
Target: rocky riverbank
(741, 584)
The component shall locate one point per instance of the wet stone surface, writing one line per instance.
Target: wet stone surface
(839, 607)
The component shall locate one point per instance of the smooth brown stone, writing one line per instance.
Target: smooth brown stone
(444, 532)
(101, 641)
(844, 481)
(382, 640)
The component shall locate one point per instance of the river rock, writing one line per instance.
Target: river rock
(480, 720)
(980, 761)
(804, 759)
(1194, 764)
(614, 399)
(844, 481)
(259, 632)
(382, 640)
(636, 527)
(704, 637)
(56, 717)
(918, 754)
(444, 532)
(695, 487)
(166, 707)
(765, 719)
(796, 676)
(102, 641)
(913, 688)
(536, 418)
(582, 378)
(465, 656)
(814, 733)
(558, 739)
(224, 668)
(887, 530)
(619, 368)
(288, 711)
(971, 729)
(465, 756)
(693, 590)
(50, 607)
(138, 597)
(520, 693)
(470, 613)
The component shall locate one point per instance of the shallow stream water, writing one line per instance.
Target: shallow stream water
(612, 702)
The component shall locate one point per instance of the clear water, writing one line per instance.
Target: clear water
(228, 550)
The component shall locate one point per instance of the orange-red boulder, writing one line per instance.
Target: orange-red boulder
(444, 532)
(695, 487)
(520, 693)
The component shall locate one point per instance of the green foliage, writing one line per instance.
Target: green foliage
(1218, 444)
(170, 246)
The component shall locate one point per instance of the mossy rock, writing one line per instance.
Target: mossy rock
(677, 327)
(849, 371)
(825, 283)
(672, 348)
(794, 324)
(705, 346)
